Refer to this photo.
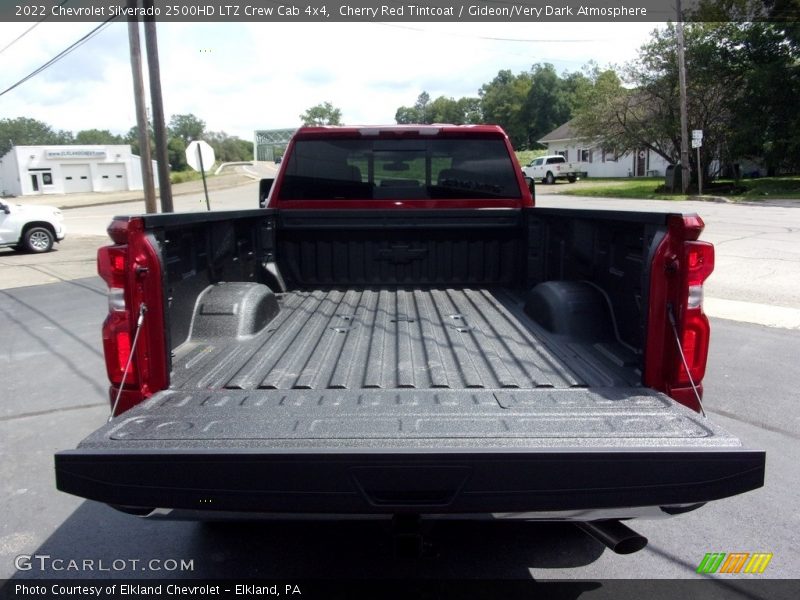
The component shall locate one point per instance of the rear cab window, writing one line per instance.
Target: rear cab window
(399, 168)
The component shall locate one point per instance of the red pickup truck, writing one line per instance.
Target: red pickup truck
(400, 331)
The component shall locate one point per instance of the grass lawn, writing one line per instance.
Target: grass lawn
(651, 188)
(188, 175)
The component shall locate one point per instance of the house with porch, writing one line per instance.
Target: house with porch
(596, 161)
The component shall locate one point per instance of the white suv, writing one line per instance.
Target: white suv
(31, 228)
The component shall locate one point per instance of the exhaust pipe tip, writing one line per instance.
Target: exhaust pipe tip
(614, 535)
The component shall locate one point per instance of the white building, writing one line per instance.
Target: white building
(34, 170)
(596, 161)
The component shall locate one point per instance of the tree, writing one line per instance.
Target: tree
(470, 107)
(548, 103)
(322, 114)
(229, 148)
(503, 101)
(98, 136)
(132, 138)
(440, 110)
(186, 127)
(419, 113)
(176, 154)
(743, 81)
(24, 131)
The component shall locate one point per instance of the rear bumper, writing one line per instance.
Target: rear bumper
(553, 483)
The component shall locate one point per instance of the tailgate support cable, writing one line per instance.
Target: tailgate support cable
(672, 321)
(139, 321)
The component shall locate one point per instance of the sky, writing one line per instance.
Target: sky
(239, 77)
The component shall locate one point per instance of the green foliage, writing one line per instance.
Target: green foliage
(229, 148)
(526, 156)
(528, 105)
(503, 103)
(743, 81)
(765, 188)
(549, 102)
(23, 131)
(186, 127)
(651, 188)
(98, 136)
(322, 114)
(441, 110)
(132, 138)
(176, 154)
(188, 175)
(644, 188)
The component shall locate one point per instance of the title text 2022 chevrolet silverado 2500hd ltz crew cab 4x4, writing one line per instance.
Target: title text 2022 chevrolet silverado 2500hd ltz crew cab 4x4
(29, 227)
(401, 332)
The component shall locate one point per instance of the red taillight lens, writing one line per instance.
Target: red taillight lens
(117, 348)
(694, 342)
(699, 258)
(699, 264)
(112, 265)
(131, 269)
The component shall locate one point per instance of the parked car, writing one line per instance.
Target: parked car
(29, 227)
(549, 168)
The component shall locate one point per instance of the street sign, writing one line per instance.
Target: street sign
(200, 155)
(193, 156)
(697, 134)
(697, 143)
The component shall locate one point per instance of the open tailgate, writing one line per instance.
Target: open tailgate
(436, 451)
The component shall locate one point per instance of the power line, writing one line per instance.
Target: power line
(28, 30)
(60, 55)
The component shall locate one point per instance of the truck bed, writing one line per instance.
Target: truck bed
(384, 339)
(391, 366)
(442, 400)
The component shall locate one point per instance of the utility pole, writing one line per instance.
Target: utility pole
(154, 70)
(685, 171)
(141, 113)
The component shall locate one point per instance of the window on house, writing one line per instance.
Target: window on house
(584, 155)
(564, 153)
(609, 154)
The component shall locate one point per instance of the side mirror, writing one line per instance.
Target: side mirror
(264, 186)
(531, 183)
(5, 208)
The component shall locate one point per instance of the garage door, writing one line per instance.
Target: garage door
(77, 178)
(111, 178)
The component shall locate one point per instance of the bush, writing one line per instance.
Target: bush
(184, 176)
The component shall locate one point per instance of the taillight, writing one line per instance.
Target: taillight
(135, 347)
(112, 262)
(678, 332)
(698, 258)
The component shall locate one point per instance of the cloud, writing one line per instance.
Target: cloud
(244, 76)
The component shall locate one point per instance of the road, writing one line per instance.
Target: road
(55, 395)
(756, 279)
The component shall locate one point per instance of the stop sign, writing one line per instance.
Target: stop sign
(199, 149)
